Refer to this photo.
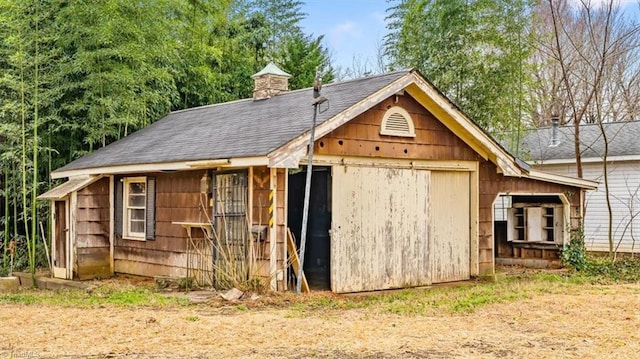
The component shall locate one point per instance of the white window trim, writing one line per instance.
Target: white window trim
(126, 221)
(403, 113)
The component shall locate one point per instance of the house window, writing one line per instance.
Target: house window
(135, 201)
(397, 122)
(135, 208)
(542, 224)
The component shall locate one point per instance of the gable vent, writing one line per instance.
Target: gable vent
(397, 122)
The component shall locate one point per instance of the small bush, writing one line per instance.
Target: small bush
(574, 254)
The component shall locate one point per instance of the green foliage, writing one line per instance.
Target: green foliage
(606, 270)
(303, 55)
(282, 20)
(96, 71)
(474, 51)
(116, 68)
(574, 253)
(129, 296)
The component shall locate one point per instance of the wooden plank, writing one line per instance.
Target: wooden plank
(273, 186)
(285, 202)
(534, 224)
(295, 260)
(450, 226)
(148, 269)
(92, 240)
(361, 136)
(165, 258)
(162, 243)
(93, 263)
(379, 237)
(94, 214)
(91, 228)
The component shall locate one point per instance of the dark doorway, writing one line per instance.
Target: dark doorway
(317, 251)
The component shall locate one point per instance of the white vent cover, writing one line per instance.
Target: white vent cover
(397, 122)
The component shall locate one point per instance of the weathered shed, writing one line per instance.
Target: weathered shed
(403, 191)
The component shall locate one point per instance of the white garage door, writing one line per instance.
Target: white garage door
(450, 226)
(380, 232)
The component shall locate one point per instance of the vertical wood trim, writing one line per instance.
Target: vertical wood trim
(558, 224)
(150, 209)
(118, 207)
(567, 223)
(252, 242)
(53, 236)
(474, 213)
(71, 237)
(511, 224)
(286, 226)
(273, 256)
(111, 225)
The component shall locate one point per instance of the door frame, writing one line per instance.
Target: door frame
(65, 272)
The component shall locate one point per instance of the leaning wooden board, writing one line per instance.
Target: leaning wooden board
(295, 261)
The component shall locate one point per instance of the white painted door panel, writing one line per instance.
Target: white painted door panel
(450, 226)
(380, 229)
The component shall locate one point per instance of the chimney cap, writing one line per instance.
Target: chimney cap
(271, 69)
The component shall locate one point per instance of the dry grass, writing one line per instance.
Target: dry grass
(536, 317)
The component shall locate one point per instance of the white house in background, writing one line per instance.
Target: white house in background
(552, 149)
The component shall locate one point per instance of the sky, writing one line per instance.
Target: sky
(354, 29)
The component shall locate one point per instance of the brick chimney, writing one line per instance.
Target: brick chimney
(269, 82)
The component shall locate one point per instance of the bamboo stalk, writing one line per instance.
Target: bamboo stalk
(46, 247)
(6, 217)
(34, 184)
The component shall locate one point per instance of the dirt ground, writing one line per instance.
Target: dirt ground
(592, 322)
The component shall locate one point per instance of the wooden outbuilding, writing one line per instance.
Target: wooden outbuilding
(552, 149)
(405, 188)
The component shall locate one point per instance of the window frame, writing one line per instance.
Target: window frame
(126, 219)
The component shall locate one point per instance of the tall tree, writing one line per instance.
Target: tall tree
(475, 51)
(117, 67)
(594, 53)
(302, 57)
(282, 19)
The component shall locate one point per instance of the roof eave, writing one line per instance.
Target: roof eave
(75, 183)
(239, 162)
(559, 161)
(560, 179)
(462, 126)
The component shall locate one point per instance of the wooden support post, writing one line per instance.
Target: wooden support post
(112, 225)
(273, 242)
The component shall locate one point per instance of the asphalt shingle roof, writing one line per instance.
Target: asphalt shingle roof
(241, 128)
(623, 138)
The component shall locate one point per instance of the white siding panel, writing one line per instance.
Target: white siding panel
(624, 185)
(379, 235)
(450, 234)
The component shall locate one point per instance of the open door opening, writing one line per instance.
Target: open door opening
(528, 230)
(60, 251)
(317, 252)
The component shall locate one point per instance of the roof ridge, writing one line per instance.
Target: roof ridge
(282, 94)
